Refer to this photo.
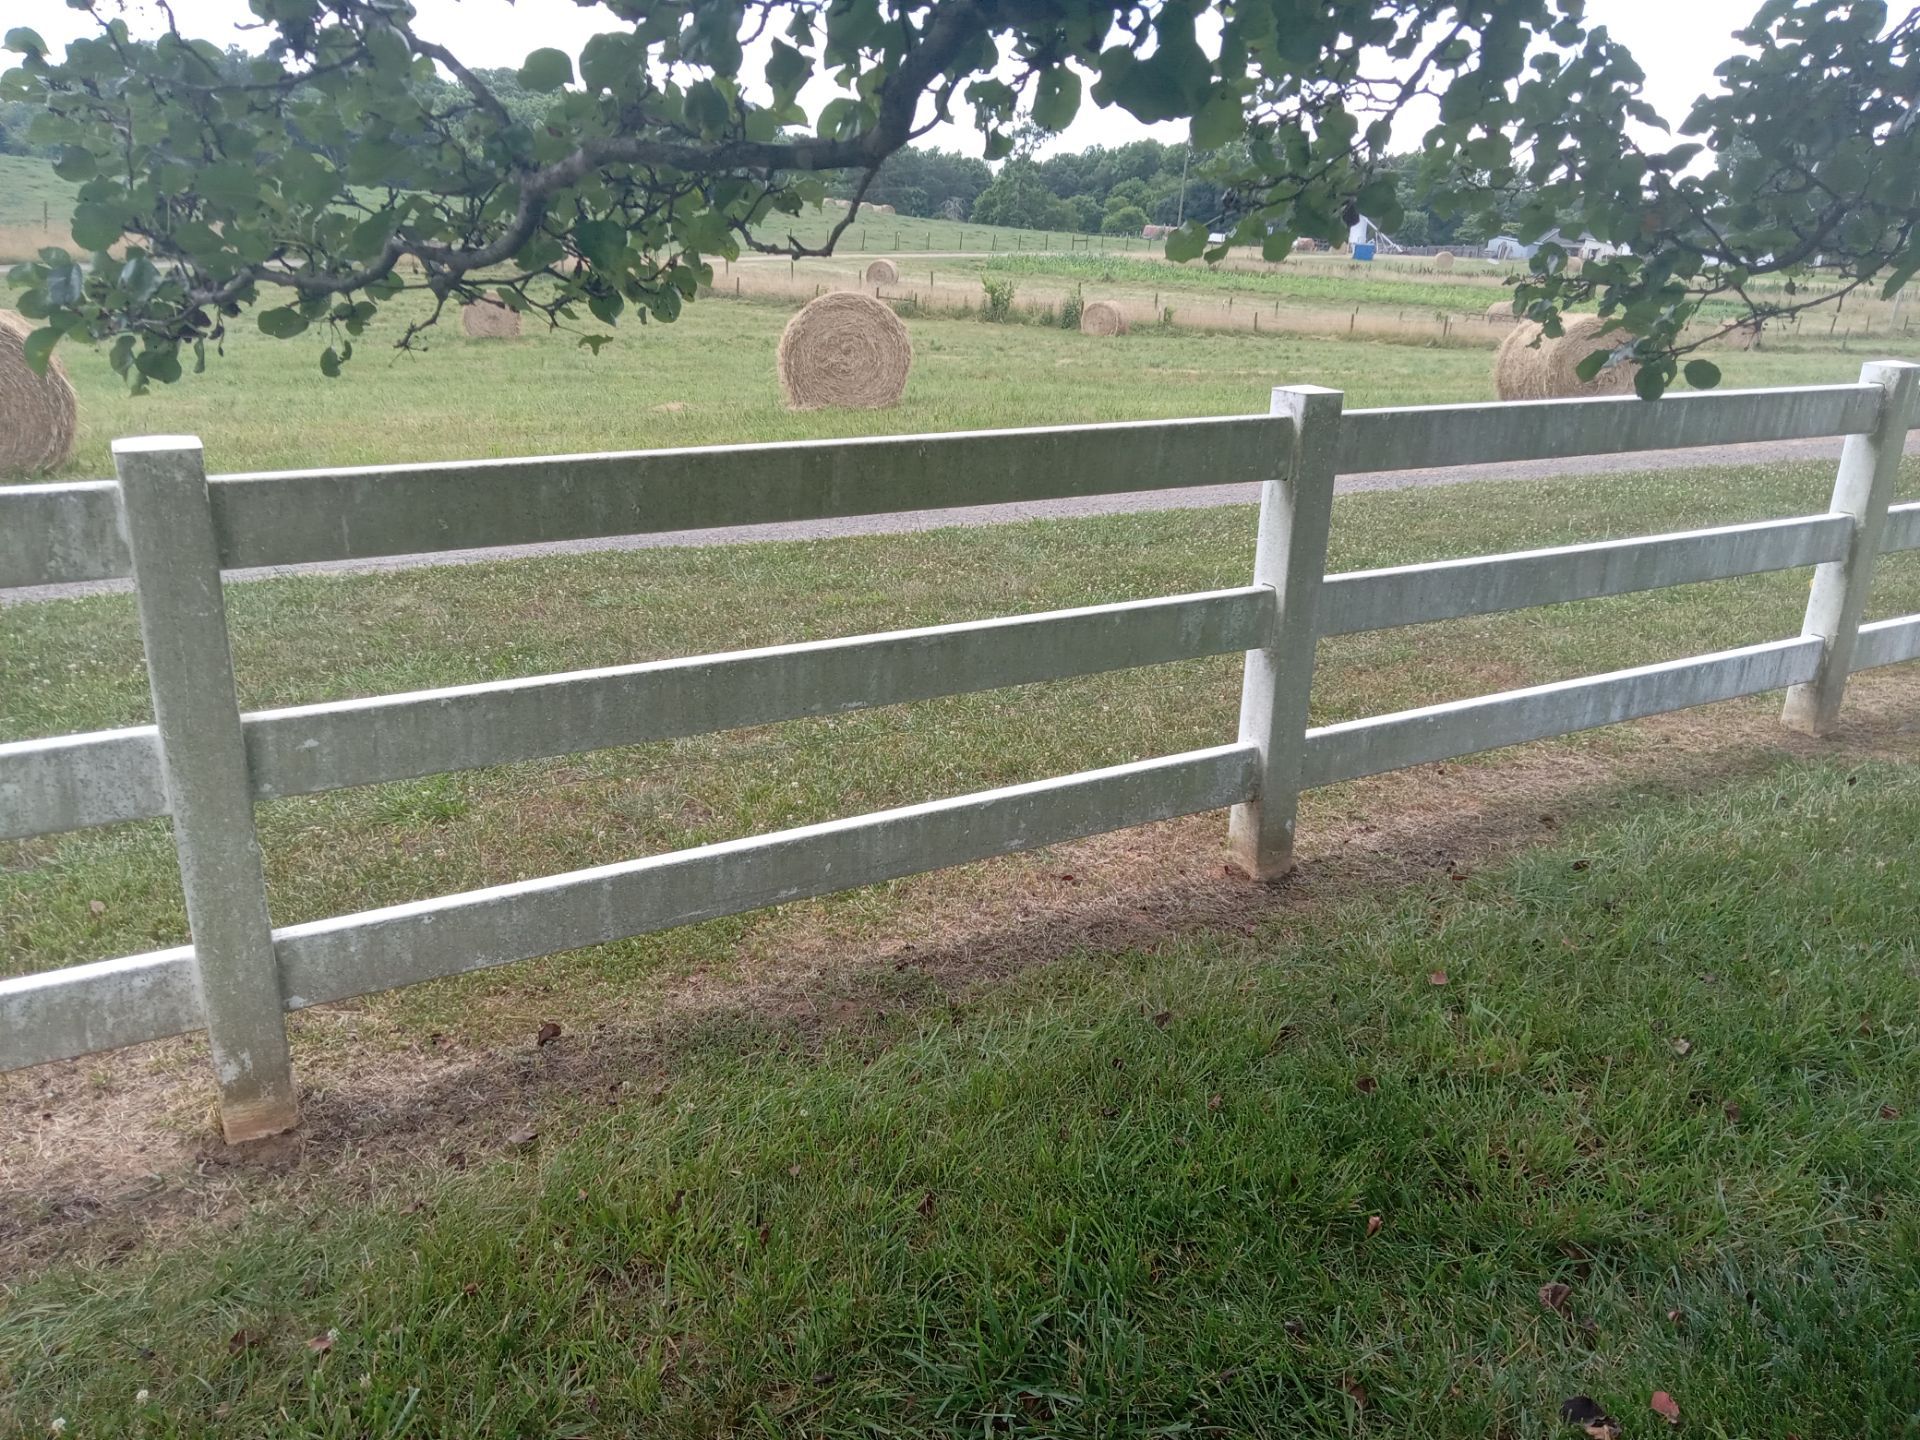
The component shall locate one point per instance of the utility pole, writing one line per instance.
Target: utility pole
(1185, 159)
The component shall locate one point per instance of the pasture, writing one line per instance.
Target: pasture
(1092, 1142)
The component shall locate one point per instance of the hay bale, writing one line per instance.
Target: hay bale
(1102, 317)
(1575, 265)
(883, 272)
(1550, 372)
(1443, 261)
(489, 320)
(1501, 310)
(38, 413)
(1746, 336)
(844, 350)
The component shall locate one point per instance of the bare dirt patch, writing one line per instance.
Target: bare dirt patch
(101, 1156)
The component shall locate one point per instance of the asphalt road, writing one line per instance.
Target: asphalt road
(1199, 498)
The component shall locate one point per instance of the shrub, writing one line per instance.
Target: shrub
(1070, 310)
(999, 303)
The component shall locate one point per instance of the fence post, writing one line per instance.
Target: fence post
(1295, 514)
(168, 519)
(1869, 469)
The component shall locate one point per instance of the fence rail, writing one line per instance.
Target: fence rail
(205, 765)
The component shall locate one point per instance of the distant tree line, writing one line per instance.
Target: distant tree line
(1111, 190)
(1118, 190)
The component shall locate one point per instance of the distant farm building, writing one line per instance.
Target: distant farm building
(1505, 247)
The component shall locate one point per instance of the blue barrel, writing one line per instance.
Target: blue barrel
(1363, 252)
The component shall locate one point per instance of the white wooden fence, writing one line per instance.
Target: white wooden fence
(205, 764)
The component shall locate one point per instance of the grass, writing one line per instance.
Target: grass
(1134, 1194)
(709, 378)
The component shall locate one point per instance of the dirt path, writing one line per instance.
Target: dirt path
(1196, 498)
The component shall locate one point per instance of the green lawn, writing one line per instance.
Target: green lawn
(1285, 1184)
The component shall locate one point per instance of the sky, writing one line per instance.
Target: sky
(1677, 43)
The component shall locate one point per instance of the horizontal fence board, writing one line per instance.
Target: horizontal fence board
(1446, 589)
(69, 782)
(1887, 642)
(299, 516)
(1423, 436)
(1903, 529)
(402, 945)
(310, 748)
(58, 534)
(82, 1009)
(1465, 727)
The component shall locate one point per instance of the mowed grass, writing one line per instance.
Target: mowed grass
(1305, 1182)
(709, 378)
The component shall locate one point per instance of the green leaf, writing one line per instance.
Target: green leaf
(75, 164)
(23, 41)
(1056, 99)
(1187, 242)
(140, 278)
(1702, 374)
(283, 323)
(546, 70)
(1592, 364)
(706, 108)
(606, 308)
(603, 242)
(330, 363)
(39, 348)
(95, 227)
(1651, 381)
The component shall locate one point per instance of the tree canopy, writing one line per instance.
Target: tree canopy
(356, 157)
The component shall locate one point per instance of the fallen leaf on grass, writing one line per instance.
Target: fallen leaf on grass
(523, 1137)
(548, 1032)
(244, 1340)
(1665, 1408)
(1162, 1018)
(1366, 1084)
(1682, 1045)
(1214, 1102)
(1436, 977)
(1555, 1297)
(1675, 1316)
(321, 1344)
(925, 1207)
(1582, 1411)
(1732, 1112)
(98, 907)
(1373, 1226)
(1889, 1112)
(1357, 1391)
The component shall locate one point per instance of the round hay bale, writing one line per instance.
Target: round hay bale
(38, 413)
(844, 350)
(1575, 265)
(1443, 261)
(1102, 317)
(1551, 372)
(883, 272)
(1305, 245)
(489, 320)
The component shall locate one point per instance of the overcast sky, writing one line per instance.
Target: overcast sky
(1677, 42)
